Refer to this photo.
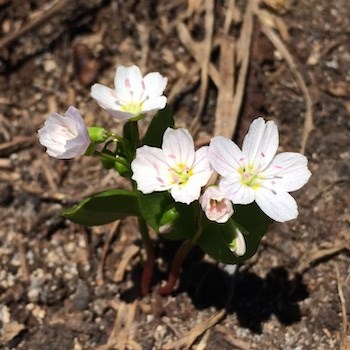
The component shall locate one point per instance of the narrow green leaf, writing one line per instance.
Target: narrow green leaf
(161, 121)
(103, 208)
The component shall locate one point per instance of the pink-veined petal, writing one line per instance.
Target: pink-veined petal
(154, 104)
(178, 147)
(216, 207)
(128, 83)
(74, 114)
(66, 136)
(278, 205)
(261, 143)
(224, 155)
(202, 169)
(233, 189)
(150, 170)
(287, 170)
(155, 84)
(106, 98)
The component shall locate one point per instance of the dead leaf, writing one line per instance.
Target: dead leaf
(10, 330)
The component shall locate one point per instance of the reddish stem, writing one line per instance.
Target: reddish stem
(179, 258)
(147, 273)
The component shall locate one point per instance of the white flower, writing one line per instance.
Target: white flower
(257, 173)
(176, 167)
(133, 95)
(65, 136)
(215, 205)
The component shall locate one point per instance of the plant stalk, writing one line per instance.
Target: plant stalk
(147, 272)
(179, 258)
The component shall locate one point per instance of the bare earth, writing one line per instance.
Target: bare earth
(57, 291)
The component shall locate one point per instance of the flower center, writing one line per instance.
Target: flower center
(132, 107)
(181, 174)
(217, 206)
(250, 177)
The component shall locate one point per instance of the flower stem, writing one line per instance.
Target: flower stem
(131, 128)
(179, 258)
(147, 272)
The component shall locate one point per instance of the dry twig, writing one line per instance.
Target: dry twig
(45, 15)
(130, 252)
(267, 21)
(237, 343)
(111, 233)
(319, 254)
(343, 338)
(187, 340)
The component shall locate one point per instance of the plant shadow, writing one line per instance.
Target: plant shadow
(252, 298)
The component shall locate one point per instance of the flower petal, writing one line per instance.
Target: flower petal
(107, 99)
(278, 205)
(233, 189)
(288, 170)
(74, 114)
(150, 170)
(155, 84)
(186, 193)
(241, 247)
(154, 104)
(128, 83)
(178, 147)
(202, 170)
(261, 143)
(224, 155)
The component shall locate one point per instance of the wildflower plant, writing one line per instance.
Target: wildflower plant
(171, 187)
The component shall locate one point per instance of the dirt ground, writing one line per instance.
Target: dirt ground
(63, 286)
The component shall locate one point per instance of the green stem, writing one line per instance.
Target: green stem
(115, 136)
(147, 272)
(116, 158)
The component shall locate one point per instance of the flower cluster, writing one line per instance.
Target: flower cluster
(254, 173)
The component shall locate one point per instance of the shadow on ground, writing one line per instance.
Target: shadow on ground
(254, 299)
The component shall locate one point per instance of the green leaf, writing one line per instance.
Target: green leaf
(152, 206)
(103, 208)
(185, 225)
(161, 121)
(216, 238)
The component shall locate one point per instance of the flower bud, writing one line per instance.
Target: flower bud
(97, 134)
(237, 245)
(168, 220)
(65, 137)
(215, 205)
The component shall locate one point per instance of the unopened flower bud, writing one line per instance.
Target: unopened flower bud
(65, 136)
(97, 134)
(237, 245)
(215, 205)
(168, 220)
